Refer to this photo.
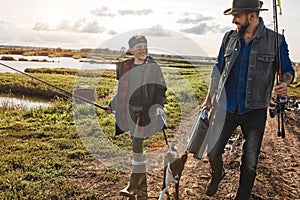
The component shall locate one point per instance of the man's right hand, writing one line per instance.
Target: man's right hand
(207, 103)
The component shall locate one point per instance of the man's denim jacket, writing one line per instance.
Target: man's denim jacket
(262, 68)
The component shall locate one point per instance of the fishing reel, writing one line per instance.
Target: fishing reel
(278, 106)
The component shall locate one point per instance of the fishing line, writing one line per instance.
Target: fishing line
(66, 93)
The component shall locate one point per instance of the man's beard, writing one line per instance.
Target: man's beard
(244, 27)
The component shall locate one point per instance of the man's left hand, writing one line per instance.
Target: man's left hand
(281, 89)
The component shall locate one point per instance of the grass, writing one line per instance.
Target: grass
(294, 87)
(40, 151)
(43, 149)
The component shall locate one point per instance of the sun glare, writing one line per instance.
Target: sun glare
(54, 15)
(53, 12)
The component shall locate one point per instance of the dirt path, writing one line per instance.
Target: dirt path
(278, 174)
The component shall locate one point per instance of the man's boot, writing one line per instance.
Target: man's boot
(138, 182)
(217, 174)
(213, 184)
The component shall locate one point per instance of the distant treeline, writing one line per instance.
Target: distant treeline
(59, 52)
(68, 71)
(97, 53)
(10, 58)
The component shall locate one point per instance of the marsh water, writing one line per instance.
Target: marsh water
(23, 102)
(59, 62)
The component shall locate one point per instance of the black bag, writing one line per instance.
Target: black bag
(198, 136)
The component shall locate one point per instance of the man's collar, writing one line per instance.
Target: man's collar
(260, 29)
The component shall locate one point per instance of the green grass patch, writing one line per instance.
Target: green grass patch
(43, 149)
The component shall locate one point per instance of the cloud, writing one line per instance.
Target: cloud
(162, 41)
(103, 12)
(157, 31)
(200, 29)
(91, 27)
(4, 22)
(106, 12)
(39, 26)
(20, 35)
(205, 24)
(112, 32)
(16, 35)
(80, 26)
(65, 25)
(193, 19)
(135, 12)
(204, 28)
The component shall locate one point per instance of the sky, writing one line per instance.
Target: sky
(193, 27)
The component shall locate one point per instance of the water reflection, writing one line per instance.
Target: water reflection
(59, 62)
(24, 102)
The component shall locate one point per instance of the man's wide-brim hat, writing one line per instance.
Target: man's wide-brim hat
(244, 6)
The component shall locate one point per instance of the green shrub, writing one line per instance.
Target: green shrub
(7, 58)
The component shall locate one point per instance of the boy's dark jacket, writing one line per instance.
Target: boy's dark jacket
(153, 92)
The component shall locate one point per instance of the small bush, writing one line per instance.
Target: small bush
(7, 58)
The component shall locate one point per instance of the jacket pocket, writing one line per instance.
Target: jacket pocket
(265, 64)
(266, 58)
(265, 74)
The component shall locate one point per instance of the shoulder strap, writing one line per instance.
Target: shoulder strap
(122, 67)
(119, 70)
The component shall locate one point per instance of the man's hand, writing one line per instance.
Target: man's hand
(281, 89)
(207, 103)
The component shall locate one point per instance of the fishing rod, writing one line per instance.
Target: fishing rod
(66, 93)
(280, 100)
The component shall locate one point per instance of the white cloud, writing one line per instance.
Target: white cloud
(157, 31)
(160, 40)
(4, 22)
(91, 27)
(103, 12)
(39, 26)
(79, 26)
(66, 25)
(204, 28)
(112, 32)
(194, 19)
(135, 12)
(80, 23)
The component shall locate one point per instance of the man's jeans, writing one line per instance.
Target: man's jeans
(252, 124)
